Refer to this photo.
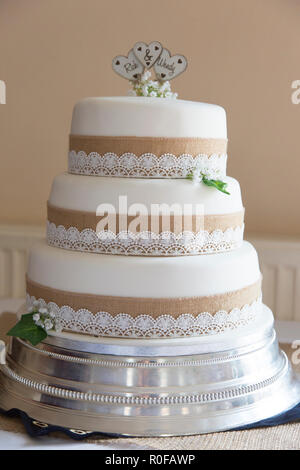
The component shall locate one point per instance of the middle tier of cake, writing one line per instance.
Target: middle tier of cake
(126, 296)
(135, 216)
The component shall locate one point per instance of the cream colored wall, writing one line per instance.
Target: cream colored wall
(243, 54)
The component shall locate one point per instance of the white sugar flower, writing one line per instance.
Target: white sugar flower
(36, 303)
(43, 311)
(165, 86)
(48, 324)
(45, 318)
(145, 90)
(197, 177)
(211, 173)
(151, 88)
(206, 172)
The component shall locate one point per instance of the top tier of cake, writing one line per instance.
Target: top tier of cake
(142, 137)
(148, 117)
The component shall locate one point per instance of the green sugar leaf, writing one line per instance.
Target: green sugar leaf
(27, 329)
(220, 185)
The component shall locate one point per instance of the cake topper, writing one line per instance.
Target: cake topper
(167, 67)
(145, 56)
(128, 67)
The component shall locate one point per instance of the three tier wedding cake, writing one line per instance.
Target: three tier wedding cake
(145, 314)
(131, 281)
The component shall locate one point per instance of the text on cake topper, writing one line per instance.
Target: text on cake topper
(128, 67)
(145, 56)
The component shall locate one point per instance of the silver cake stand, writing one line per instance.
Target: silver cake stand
(151, 387)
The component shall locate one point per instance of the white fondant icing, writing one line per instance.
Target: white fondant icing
(85, 193)
(148, 117)
(135, 276)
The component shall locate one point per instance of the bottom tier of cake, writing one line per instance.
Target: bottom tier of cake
(153, 387)
(125, 296)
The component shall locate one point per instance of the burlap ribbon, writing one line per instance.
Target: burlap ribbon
(155, 307)
(82, 220)
(140, 145)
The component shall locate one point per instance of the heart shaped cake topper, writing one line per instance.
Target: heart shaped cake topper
(168, 67)
(135, 67)
(128, 67)
(147, 54)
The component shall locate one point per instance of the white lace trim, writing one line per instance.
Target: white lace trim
(145, 326)
(144, 243)
(147, 165)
